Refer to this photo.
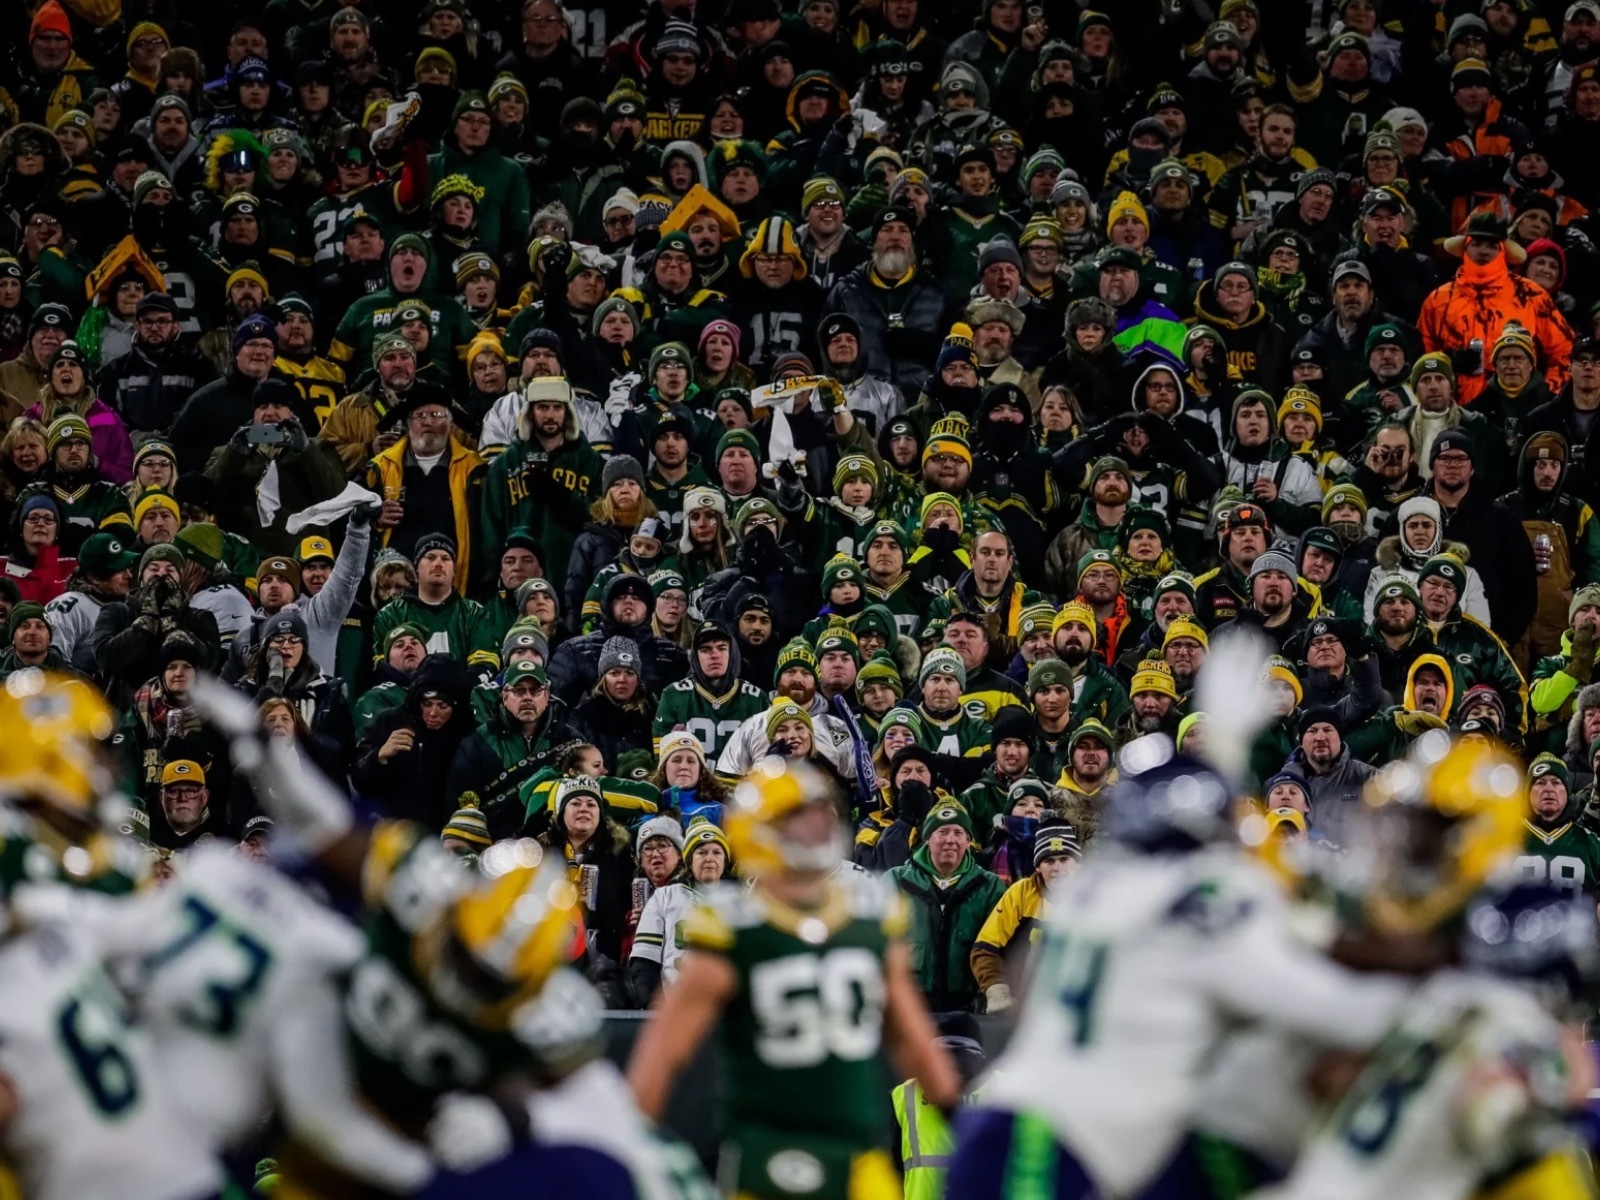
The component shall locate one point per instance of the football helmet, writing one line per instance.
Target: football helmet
(496, 945)
(774, 791)
(1166, 802)
(1431, 830)
(1537, 935)
(56, 746)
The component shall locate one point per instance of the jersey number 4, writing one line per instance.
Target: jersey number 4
(1073, 969)
(811, 1007)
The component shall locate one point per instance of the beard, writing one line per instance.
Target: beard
(1150, 724)
(891, 264)
(1075, 656)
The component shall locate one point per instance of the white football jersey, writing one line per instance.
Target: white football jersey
(1422, 1121)
(1145, 964)
(93, 1120)
(237, 971)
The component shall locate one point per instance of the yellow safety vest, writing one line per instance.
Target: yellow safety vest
(926, 1142)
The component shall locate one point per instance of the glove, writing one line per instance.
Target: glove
(295, 434)
(169, 597)
(555, 260)
(830, 396)
(364, 514)
(914, 802)
(1581, 667)
(1415, 724)
(239, 443)
(941, 538)
(619, 399)
(150, 599)
(277, 673)
(997, 997)
(781, 748)
(789, 485)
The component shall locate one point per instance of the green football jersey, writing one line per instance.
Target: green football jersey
(407, 1048)
(712, 719)
(966, 733)
(106, 863)
(802, 1037)
(1566, 857)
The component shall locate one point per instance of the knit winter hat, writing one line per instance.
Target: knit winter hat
(797, 653)
(1184, 627)
(619, 652)
(948, 813)
(660, 826)
(1153, 675)
(786, 710)
(1447, 567)
(841, 568)
(1343, 493)
(66, 427)
(1397, 587)
(467, 824)
(943, 661)
(880, 668)
(619, 467)
(1548, 764)
(855, 466)
(1076, 612)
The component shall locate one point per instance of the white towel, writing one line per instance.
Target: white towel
(267, 501)
(327, 512)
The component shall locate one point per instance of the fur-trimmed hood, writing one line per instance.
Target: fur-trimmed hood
(1391, 556)
(547, 387)
(1588, 698)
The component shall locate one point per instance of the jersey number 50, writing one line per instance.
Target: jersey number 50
(811, 1007)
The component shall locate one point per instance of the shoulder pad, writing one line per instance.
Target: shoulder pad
(713, 923)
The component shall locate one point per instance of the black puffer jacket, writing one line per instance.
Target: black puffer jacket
(575, 666)
(614, 728)
(127, 650)
(412, 783)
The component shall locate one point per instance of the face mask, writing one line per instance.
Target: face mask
(1349, 532)
(1006, 437)
(959, 399)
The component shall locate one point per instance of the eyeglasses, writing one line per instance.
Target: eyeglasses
(431, 418)
(40, 518)
(1454, 459)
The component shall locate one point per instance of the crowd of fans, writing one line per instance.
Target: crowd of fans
(511, 395)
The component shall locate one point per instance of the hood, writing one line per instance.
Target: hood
(1250, 395)
(55, 160)
(1137, 404)
(1409, 700)
(805, 80)
(1557, 445)
(608, 624)
(718, 686)
(696, 157)
(961, 70)
(1588, 697)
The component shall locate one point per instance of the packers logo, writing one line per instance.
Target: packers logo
(977, 709)
(1464, 659)
(795, 1171)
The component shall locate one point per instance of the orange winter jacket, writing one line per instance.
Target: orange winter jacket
(1478, 304)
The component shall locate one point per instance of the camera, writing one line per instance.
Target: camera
(266, 435)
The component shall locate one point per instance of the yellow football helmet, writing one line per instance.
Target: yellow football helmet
(56, 744)
(763, 801)
(1433, 830)
(494, 948)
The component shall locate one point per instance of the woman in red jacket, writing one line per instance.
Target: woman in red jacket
(35, 564)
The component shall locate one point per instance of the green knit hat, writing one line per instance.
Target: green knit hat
(797, 653)
(841, 568)
(1178, 581)
(202, 544)
(838, 638)
(1091, 728)
(1048, 672)
(1447, 567)
(741, 438)
(880, 668)
(21, 613)
(1548, 764)
(1397, 587)
(908, 718)
(1106, 463)
(1343, 493)
(1433, 364)
(1036, 617)
(887, 528)
(404, 629)
(756, 506)
(855, 466)
(948, 813)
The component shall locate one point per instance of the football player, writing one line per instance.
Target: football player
(1155, 949)
(807, 979)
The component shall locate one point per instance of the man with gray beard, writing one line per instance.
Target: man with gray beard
(900, 313)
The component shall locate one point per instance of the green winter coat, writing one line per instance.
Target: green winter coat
(1476, 655)
(458, 627)
(547, 493)
(507, 206)
(945, 922)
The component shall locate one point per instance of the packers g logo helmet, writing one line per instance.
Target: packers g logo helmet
(1433, 829)
(494, 948)
(56, 746)
(764, 800)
